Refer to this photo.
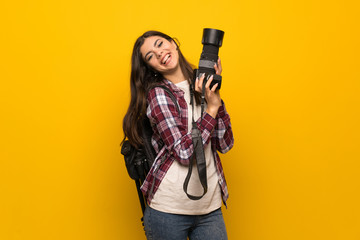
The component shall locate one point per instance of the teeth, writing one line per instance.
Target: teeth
(166, 58)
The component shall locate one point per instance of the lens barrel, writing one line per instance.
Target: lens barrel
(212, 39)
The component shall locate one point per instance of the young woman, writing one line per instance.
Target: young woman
(170, 214)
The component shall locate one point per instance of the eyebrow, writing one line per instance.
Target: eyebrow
(154, 46)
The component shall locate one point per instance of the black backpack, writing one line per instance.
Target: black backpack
(138, 161)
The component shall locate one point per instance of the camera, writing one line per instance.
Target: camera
(212, 40)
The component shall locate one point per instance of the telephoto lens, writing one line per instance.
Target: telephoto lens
(212, 40)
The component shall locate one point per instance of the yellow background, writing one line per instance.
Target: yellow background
(291, 83)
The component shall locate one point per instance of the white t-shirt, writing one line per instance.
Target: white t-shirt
(170, 196)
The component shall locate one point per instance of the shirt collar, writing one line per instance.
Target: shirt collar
(173, 87)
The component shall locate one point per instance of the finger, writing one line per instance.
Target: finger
(196, 84)
(213, 89)
(207, 85)
(219, 66)
(201, 80)
(216, 68)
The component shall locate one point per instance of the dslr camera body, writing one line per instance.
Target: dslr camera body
(212, 40)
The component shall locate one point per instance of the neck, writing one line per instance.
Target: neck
(175, 76)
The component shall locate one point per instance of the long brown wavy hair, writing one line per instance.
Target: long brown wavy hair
(142, 78)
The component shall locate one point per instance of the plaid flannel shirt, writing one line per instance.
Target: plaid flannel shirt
(171, 129)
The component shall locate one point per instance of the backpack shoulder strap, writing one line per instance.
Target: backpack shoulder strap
(173, 98)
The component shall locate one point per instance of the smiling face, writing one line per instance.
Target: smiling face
(160, 54)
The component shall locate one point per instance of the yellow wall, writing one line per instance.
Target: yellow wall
(291, 83)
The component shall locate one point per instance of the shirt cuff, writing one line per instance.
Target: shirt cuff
(221, 111)
(208, 122)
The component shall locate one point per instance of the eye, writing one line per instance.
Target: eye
(159, 45)
(149, 58)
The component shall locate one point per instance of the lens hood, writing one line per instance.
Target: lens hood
(212, 37)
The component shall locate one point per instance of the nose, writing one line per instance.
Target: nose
(159, 53)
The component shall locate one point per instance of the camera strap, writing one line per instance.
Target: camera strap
(198, 154)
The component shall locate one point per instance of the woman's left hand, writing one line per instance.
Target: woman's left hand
(217, 67)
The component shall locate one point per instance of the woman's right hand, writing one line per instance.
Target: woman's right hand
(212, 95)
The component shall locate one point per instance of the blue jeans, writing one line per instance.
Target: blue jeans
(167, 226)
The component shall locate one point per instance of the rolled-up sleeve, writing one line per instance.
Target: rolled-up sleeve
(223, 132)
